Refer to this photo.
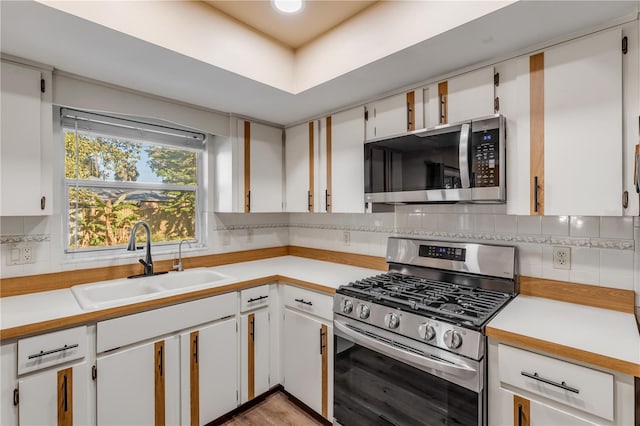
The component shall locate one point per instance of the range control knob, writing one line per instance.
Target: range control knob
(363, 311)
(426, 331)
(392, 320)
(346, 306)
(452, 339)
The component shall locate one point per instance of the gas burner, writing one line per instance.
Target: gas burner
(452, 307)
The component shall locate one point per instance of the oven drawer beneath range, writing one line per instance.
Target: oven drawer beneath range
(574, 385)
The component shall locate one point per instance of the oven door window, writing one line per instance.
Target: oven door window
(373, 389)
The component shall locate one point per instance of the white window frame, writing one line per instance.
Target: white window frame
(199, 189)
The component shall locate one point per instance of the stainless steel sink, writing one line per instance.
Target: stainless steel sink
(124, 291)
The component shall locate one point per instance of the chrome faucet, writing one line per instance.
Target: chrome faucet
(178, 266)
(147, 262)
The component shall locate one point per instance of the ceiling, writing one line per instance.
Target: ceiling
(316, 18)
(38, 32)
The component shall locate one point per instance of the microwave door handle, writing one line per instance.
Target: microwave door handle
(464, 155)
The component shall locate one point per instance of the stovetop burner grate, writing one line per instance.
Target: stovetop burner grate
(472, 306)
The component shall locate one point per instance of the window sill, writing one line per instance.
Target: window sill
(122, 256)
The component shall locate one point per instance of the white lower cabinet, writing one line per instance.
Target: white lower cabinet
(140, 385)
(57, 396)
(255, 344)
(307, 354)
(209, 383)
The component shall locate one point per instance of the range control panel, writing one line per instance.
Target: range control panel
(440, 252)
(485, 158)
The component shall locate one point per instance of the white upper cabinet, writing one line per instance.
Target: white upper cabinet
(564, 129)
(583, 127)
(345, 171)
(470, 95)
(26, 134)
(394, 115)
(298, 152)
(324, 164)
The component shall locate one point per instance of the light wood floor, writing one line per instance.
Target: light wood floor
(275, 410)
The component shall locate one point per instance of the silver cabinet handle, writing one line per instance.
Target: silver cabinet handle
(561, 385)
(52, 351)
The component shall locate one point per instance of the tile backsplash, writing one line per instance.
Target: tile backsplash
(602, 248)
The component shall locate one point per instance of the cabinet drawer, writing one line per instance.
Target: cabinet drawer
(309, 301)
(51, 349)
(253, 298)
(134, 328)
(574, 385)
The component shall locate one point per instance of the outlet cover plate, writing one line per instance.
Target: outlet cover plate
(562, 257)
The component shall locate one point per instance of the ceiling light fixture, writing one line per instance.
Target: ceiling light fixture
(287, 6)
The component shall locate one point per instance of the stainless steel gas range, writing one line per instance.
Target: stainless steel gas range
(410, 347)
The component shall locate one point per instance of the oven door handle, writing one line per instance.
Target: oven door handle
(407, 357)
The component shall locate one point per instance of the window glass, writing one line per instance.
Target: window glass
(112, 183)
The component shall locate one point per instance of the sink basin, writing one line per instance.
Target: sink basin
(123, 291)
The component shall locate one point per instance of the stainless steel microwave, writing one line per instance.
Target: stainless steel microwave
(462, 162)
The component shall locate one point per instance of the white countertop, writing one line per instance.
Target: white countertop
(32, 308)
(601, 331)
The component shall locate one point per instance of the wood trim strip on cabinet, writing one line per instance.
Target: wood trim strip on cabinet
(325, 370)
(603, 361)
(194, 377)
(521, 408)
(536, 116)
(443, 99)
(251, 357)
(353, 259)
(159, 362)
(58, 280)
(411, 111)
(247, 166)
(311, 169)
(65, 397)
(582, 294)
(328, 199)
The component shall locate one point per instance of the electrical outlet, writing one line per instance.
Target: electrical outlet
(346, 238)
(27, 254)
(20, 255)
(562, 258)
(249, 235)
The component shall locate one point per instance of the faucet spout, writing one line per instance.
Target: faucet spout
(147, 262)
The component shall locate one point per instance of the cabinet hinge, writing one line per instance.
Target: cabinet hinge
(625, 47)
(16, 396)
(268, 316)
(237, 398)
(236, 327)
(625, 199)
(94, 372)
(496, 79)
(42, 85)
(269, 380)
(366, 114)
(496, 104)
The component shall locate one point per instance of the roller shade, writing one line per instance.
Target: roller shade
(131, 129)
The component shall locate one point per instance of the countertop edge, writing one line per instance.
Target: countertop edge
(587, 357)
(108, 313)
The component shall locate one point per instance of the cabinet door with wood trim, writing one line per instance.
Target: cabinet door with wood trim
(255, 360)
(307, 361)
(263, 174)
(55, 397)
(532, 413)
(209, 372)
(298, 168)
(345, 165)
(139, 385)
(393, 115)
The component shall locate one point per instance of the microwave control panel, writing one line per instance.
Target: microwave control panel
(485, 158)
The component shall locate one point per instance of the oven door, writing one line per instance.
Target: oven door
(385, 379)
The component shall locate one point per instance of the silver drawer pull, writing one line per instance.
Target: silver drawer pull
(52, 351)
(562, 385)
